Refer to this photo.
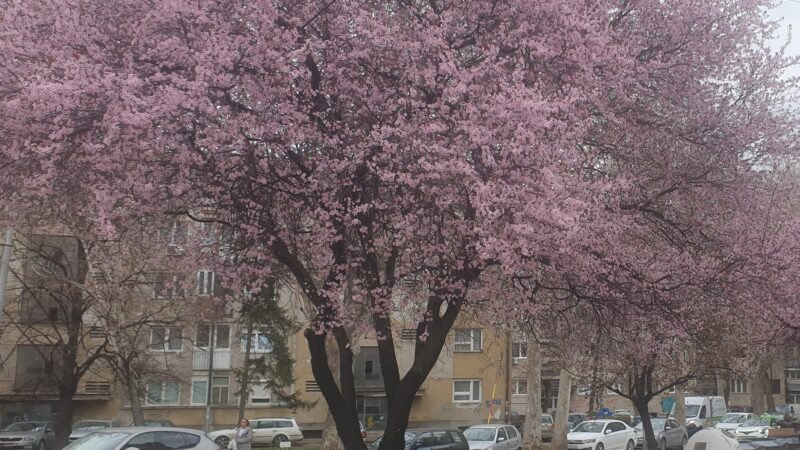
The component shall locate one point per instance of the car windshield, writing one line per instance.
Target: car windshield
(590, 427)
(98, 441)
(757, 422)
(658, 423)
(692, 410)
(732, 418)
(23, 426)
(783, 409)
(90, 425)
(547, 419)
(154, 423)
(479, 434)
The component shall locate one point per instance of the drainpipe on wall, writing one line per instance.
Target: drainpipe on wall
(5, 264)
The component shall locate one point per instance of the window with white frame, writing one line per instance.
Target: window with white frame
(739, 386)
(259, 342)
(615, 387)
(220, 391)
(261, 395)
(206, 280)
(467, 340)
(519, 350)
(466, 391)
(222, 336)
(163, 393)
(519, 387)
(166, 339)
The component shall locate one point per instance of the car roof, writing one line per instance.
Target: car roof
(491, 425)
(146, 429)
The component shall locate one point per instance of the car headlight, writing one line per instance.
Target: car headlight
(28, 439)
(587, 441)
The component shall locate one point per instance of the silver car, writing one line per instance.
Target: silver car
(82, 428)
(27, 435)
(669, 433)
(493, 437)
(144, 438)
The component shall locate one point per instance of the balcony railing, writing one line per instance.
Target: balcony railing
(222, 359)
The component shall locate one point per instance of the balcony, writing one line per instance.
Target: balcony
(368, 381)
(222, 359)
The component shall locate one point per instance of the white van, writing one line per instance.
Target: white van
(702, 411)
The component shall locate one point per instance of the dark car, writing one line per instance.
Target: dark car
(431, 438)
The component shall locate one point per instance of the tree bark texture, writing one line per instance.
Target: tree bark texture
(532, 435)
(560, 427)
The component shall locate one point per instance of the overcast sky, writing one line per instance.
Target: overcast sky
(789, 13)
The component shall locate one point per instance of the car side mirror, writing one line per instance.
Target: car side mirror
(500, 439)
(131, 448)
(48, 430)
(608, 432)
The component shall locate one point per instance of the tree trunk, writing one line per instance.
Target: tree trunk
(532, 435)
(769, 404)
(757, 395)
(135, 399)
(64, 418)
(680, 404)
(560, 427)
(244, 388)
(330, 437)
(642, 407)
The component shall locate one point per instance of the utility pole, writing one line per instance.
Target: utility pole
(210, 382)
(5, 264)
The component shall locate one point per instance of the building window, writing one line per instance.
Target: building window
(519, 350)
(261, 395)
(793, 374)
(163, 393)
(222, 336)
(519, 387)
(615, 387)
(206, 280)
(174, 235)
(466, 391)
(168, 285)
(166, 339)
(220, 391)
(468, 340)
(259, 343)
(739, 387)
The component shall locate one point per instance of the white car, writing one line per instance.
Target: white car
(732, 421)
(143, 438)
(493, 437)
(601, 435)
(265, 432)
(754, 428)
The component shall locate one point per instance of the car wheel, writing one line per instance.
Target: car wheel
(222, 441)
(663, 445)
(278, 439)
(630, 445)
(599, 446)
(684, 441)
(41, 445)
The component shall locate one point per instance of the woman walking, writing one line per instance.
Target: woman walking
(244, 435)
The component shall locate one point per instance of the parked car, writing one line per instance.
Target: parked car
(754, 428)
(547, 427)
(28, 435)
(493, 437)
(668, 432)
(601, 435)
(431, 438)
(83, 427)
(573, 419)
(158, 423)
(792, 410)
(265, 431)
(144, 438)
(732, 421)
